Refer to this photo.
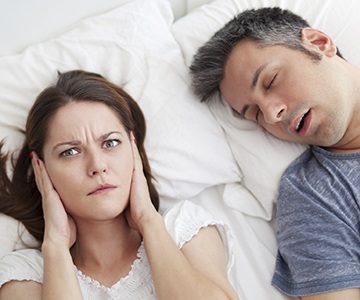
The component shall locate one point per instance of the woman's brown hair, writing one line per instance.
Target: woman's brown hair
(19, 196)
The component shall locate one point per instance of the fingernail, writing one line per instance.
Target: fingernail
(38, 162)
(31, 155)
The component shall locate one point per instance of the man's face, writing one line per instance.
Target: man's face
(292, 96)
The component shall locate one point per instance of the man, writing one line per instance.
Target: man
(272, 68)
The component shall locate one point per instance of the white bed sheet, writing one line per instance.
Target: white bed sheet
(255, 247)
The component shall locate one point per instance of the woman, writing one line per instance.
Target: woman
(88, 177)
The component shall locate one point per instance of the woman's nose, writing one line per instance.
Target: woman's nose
(96, 164)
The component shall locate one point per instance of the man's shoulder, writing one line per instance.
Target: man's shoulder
(310, 167)
(301, 162)
(314, 172)
(316, 159)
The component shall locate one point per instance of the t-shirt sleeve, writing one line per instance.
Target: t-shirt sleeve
(318, 235)
(26, 264)
(186, 219)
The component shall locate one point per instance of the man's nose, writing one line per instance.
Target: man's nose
(273, 110)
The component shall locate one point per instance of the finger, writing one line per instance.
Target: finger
(136, 155)
(138, 173)
(36, 168)
(42, 178)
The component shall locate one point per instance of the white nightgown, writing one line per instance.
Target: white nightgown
(183, 222)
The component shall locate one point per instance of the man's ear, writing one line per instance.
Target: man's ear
(315, 39)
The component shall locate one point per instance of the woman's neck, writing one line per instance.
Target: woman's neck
(107, 250)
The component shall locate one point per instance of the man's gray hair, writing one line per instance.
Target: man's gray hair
(267, 26)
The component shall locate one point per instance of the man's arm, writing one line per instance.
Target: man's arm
(348, 294)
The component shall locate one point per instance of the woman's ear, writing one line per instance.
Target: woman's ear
(315, 39)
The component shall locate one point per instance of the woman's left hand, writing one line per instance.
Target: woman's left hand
(141, 210)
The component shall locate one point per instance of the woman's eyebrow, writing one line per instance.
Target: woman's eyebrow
(106, 135)
(77, 142)
(68, 143)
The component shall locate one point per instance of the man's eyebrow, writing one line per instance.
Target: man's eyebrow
(257, 75)
(235, 113)
(244, 110)
(253, 85)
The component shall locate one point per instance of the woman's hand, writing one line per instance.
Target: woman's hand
(141, 210)
(60, 228)
(177, 274)
(60, 279)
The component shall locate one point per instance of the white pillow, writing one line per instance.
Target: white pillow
(261, 157)
(47, 19)
(133, 47)
(14, 236)
(338, 19)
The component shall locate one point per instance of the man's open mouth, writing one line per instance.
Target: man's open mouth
(301, 122)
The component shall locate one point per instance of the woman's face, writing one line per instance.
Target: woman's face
(88, 157)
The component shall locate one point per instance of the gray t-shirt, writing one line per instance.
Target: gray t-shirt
(318, 219)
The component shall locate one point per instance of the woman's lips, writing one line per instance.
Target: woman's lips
(103, 188)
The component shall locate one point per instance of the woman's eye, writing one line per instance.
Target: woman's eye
(69, 152)
(111, 143)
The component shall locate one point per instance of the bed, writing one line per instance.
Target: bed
(197, 152)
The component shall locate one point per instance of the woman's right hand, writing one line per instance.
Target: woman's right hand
(60, 228)
(60, 278)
